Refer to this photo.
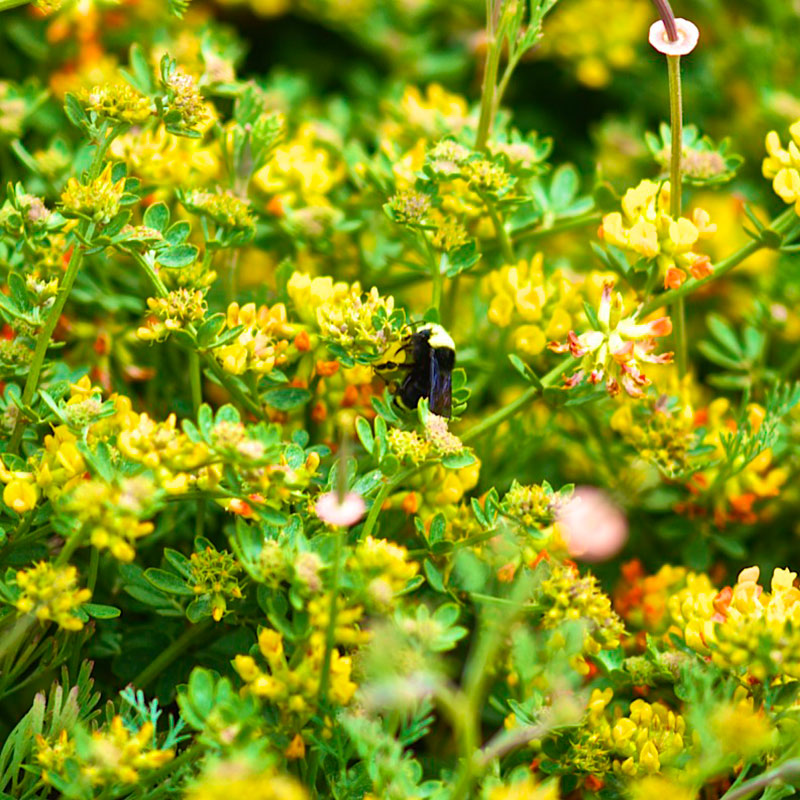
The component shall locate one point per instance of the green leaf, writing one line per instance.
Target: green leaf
(434, 577)
(178, 256)
(287, 398)
(458, 460)
(178, 233)
(157, 217)
(725, 335)
(210, 329)
(178, 562)
(199, 609)
(364, 431)
(99, 611)
(74, 111)
(167, 582)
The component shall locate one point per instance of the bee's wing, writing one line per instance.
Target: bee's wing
(441, 384)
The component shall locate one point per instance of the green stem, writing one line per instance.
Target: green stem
(149, 270)
(786, 771)
(94, 563)
(535, 232)
(166, 657)
(70, 546)
(502, 414)
(675, 204)
(375, 508)
(676, 126)
(196, 381)
(195, 378)
(489, 80)
(330, 633)
(7, 5)
(500, 231)
(476, 676)
(44, 337)
(244, 400)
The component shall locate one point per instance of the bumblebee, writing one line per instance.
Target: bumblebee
(428, 356)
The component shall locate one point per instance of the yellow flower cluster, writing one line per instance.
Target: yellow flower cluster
(408, 446)
(346, 630)
(112, 514)
(185, 98)
(526, 789)
(227, 779)
(385, 566)
(660, 436)
(646, 229)
(294, 689)
(597, 37)
(118, 102)
(783, 166)
(225, 208)
(567, 596)
(301, 171)
(437, 488)
(641, 743)
(427, 115)
(532, 505)
(749, 631)
(120, 755)
(173, 312)
(60, 468)
(97, 200)
(541, 308)
(742, 730)
(51, 757)
(353, 323)
(165, 161)
(51, 594)
(310, 294)
(650, 734)
(271, 484)
(262, 344)
(168, 452)
(214, 574)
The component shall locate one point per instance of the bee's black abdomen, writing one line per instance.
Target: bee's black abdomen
(429, 375)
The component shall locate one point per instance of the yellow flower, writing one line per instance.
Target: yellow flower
(262, 344)
(20, 495)
(112, 514)
(51, 593)
(300, 172)
(118, 102)
(240, 779)
(214, 574)
(360, 323)
(98, 200)
(120, 755)
(165, 161)
(783, 166)
(526, 789)
(645, 229)
(658, 786)
(596, 37)
(51, 757)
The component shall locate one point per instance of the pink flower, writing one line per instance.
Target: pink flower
(684, 44)
(342, 514)
(593, 528)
